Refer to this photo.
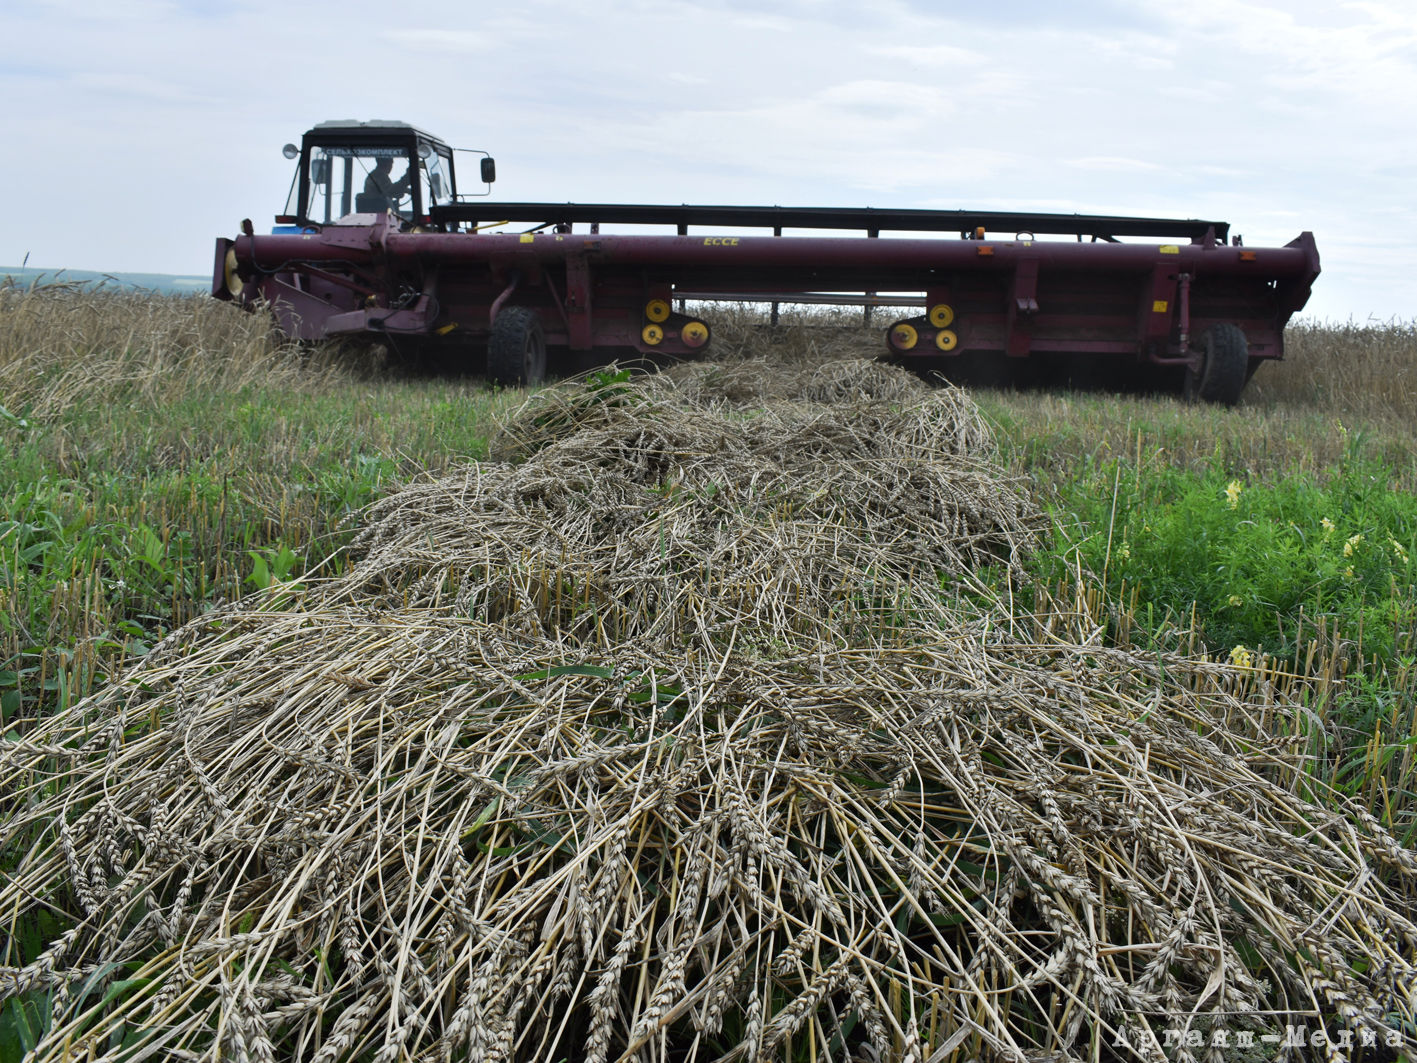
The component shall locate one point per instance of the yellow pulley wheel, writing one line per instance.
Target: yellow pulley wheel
(657, 310)
(946, 340)
(904, 337)
(694, 334)
(233, 280)
(942, 315)
(652, 335)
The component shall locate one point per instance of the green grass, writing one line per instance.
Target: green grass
(1251, 555)
(1262, 563)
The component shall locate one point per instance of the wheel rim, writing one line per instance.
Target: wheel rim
(1195, 374)
(533, 358)
(1203, 362)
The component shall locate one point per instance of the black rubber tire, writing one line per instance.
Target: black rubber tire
(516, 350)
(1225, 366)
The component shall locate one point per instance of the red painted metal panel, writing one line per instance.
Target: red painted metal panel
(787, 253)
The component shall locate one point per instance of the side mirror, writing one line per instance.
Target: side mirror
(489, 170)
(290, 151)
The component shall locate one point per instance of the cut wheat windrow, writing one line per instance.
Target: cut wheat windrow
(695, 728)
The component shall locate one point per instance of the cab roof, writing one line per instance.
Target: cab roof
(377, 127)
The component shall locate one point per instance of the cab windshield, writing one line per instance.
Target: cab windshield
(359, 179)
(436, 169)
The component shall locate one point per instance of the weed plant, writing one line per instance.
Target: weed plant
(1256, 566)
(1315, 578)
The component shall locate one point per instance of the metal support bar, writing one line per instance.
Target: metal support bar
(1185, 279)
(1102, 227)
(871, 234)
(1023, 304)
(1157, 311)
(776, 306)
(804, 298)
(335, 278)
(578, 324)
(496, 307)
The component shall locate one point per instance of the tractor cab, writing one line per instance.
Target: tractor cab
(348, 168)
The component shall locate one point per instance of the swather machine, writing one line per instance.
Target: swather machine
(392, 251)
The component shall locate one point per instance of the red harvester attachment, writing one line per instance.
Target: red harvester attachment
(375, 241)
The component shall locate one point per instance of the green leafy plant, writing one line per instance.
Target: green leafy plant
(1262, 564)
(271, 566)
(14, 421)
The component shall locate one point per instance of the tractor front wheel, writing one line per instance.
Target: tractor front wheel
(1224, 367)
(516, 350)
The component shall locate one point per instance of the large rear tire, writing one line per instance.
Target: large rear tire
(1224, 368)
(516, 350)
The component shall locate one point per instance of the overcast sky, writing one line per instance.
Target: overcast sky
(139, 130)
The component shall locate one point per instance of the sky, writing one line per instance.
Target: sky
(140, 130)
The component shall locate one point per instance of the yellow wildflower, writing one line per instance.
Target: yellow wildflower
(1398, 550)
(1232, 492)
(1125, 553)
(1241, 657)
(1328, 526)
(1352, 545)
(1235, 599)
(1348, 572)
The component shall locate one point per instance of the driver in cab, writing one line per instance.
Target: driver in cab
(381, 182)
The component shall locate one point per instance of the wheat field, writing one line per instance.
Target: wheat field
(712, 716)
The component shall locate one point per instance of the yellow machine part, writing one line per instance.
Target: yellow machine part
(657, 310)
(942, 315)
(694, 334)
(232, 278)
(904, 337)
(653, 335)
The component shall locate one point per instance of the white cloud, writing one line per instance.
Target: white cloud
(1193, 94)
(1369, 59)
(441, 40)
(116, 11)
(1113, 164)
(141, 87)
(922, 103)
(1229, 172)
(932, 56)
(768, 23)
